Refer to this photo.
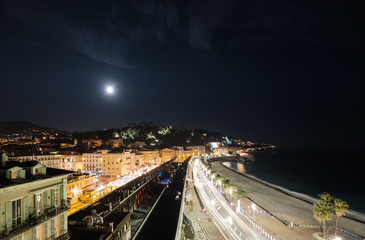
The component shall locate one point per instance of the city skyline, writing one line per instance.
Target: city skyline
(290, 75)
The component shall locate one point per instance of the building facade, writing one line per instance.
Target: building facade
(167, 154)
(151, 157)
(33, 202)
(92, 161)
(115, 142)
(120, 164)
(77, 183)
(72, 162)
(48, 160)
(139, 160)
(197, 150)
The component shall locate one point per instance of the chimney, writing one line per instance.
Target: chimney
(4, 158)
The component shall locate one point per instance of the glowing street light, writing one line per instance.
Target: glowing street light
(253, 206)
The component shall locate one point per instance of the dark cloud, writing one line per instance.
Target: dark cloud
(105, 30)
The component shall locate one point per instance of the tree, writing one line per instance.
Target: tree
(228, 187)
(322, 212)
(326, 197)
(225, 182)
(239, 193)
(219, 180)
(340, 207)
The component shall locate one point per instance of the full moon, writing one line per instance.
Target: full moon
(109, 90)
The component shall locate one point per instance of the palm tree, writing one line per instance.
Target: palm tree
(340, 207)
(239, 193)
(225, 182)
(322, 212)
(228, 186)
(219, 180)
(326, 197)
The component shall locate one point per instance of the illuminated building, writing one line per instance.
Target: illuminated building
(167, 154)
(72, 162)
(115, 142)
(77, 183)
(198, 150)
(139, 160)
(89, 143)
(92, 161)
(151, 156)
(119, 164)
(33, 201)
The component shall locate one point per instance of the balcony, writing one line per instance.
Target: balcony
(64, 236)
(34, 220)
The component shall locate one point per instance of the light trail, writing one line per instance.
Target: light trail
(233, 227)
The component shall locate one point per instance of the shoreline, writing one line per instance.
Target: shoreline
(288, 205)
(351, 214)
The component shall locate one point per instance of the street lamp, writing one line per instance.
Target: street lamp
(253, 206)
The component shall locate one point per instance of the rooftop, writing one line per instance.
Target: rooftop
(79, 230)
(51, 172)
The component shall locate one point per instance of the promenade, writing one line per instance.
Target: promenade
(282, 205)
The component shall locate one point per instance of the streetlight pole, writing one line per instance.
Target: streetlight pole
(253, 206)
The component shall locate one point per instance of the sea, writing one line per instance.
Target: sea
(338, 172)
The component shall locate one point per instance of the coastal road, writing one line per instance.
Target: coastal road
(230, 225)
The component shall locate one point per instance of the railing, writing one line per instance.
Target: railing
(64, 236)
(34, 219)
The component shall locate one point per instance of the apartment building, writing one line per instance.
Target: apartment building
(119, 163)
(47, 159)
(32, 201)
(197, 150)
(151, 156)
(167, 154)
(92, 161)
(72, 162)
(139, 160)
(77, 183)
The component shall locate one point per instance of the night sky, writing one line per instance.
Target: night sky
(289, 73)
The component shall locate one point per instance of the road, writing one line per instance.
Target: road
(230, 225)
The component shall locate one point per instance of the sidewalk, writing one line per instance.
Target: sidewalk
(203, 225)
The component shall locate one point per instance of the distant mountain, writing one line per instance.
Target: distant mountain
(24, 127)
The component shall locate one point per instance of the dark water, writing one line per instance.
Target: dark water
(339, 172)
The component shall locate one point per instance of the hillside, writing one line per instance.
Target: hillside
(24, 128)
(156, 135)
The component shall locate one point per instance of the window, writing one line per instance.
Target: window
(16, 213)
(56, 197)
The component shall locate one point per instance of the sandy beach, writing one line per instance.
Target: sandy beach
(281, 204)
